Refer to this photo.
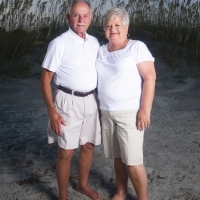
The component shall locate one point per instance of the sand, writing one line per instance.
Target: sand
(171, 147)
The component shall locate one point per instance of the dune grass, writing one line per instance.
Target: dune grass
(171, 26)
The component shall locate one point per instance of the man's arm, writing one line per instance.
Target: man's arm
(55, 119)
(147, 71)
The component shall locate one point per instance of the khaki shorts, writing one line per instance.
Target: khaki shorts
(121, 138)
(82, 118)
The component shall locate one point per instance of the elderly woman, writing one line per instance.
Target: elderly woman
(126, 83)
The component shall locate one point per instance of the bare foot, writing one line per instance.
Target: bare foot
(118, 197)
(63, 197)
(89, 192)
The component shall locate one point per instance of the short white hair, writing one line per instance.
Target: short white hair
(77, 1)
(121, 13)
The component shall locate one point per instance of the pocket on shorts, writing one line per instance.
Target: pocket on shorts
(104, 120)
(63, 105)
(91, 105)
(105, 133)
(63, 101)
(129, 118)
(105, 125)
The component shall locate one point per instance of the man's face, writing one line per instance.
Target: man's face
(80, 18)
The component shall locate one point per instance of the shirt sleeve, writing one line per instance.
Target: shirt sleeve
(54, 55)
(142, 53)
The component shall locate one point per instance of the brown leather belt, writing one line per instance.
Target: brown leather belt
(78, 94)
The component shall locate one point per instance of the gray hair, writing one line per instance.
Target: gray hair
(75, 2)
(121, 13)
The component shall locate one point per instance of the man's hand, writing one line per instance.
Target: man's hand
(143, 120)
(55, 121)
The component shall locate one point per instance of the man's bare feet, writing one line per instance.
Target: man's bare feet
(118, 197)
(89, 192)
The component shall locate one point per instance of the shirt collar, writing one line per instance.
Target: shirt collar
(75, 37)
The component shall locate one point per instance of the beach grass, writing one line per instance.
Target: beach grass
(173, 27)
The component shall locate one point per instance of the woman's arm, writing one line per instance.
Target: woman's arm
(147, 72)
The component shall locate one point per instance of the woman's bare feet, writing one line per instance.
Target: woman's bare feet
(89, 192)
(63, 196)
(118, 197)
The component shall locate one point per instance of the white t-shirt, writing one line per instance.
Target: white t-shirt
(119, 81)
(73, 60)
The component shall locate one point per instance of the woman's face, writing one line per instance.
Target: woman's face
(114, 29)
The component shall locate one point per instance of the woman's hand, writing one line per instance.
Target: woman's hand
(143, 120)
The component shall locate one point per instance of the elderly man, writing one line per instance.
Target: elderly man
(73, 113)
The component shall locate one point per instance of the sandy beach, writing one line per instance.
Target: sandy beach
(171, 147)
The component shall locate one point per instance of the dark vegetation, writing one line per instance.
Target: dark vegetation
(170, 26)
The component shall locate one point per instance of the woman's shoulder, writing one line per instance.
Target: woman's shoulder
(103, 47)
(136, 42)
(137, 45)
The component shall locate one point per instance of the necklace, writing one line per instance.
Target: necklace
(117, 47)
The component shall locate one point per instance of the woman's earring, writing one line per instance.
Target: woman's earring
(128, 35)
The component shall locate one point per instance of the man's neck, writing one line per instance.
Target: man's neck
(80, 34)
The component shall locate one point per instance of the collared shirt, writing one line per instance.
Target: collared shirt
(72, 58)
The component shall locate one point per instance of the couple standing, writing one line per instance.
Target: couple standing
(126, 82)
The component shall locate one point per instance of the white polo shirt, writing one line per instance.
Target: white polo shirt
(119, 81)
(73, 60)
